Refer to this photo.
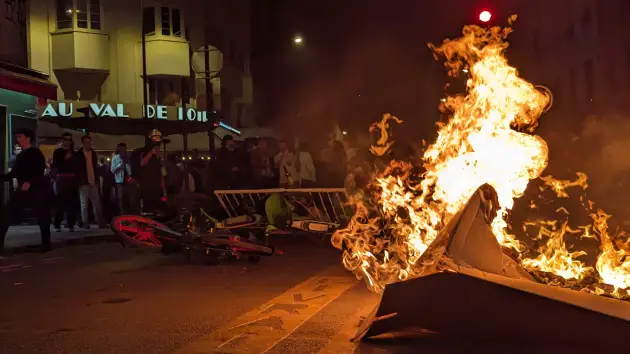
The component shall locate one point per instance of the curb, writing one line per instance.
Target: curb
(92, 239)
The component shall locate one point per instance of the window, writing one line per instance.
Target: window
(170, 21)
(95, 14)
(148, 18)
(165, 16)
(85, 14)
(588, 77)
(64, 14)
(177, 23)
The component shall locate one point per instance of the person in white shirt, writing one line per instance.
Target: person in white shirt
(122, 170)
(286, 165)
(306, 168)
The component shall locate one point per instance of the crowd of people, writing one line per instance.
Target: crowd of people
(77, 182)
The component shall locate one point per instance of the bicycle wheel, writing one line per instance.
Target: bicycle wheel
(139, 231)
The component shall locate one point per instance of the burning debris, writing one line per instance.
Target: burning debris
(455, 214)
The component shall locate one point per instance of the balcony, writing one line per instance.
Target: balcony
(79, 42)
(167, 56)
(80, 51)
(167, 48)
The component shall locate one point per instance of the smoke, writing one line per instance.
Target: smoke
(601, 149)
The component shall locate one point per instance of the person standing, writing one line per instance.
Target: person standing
(86, 164)
(261, 166)
(285, 163)
(150, 175)
(34, 188)
(66, 188)
(306, 167)
(121, 170)
(230, 170)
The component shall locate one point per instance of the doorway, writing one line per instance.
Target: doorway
(4, 154)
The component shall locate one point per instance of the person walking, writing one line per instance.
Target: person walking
(33, 188)
(86, 164)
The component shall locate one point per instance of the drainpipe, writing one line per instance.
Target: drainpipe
(145, 92)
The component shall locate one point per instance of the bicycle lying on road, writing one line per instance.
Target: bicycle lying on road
(185, 226)
(178, 229)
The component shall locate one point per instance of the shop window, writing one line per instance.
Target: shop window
(163, 20)
(84, 14)
(165, 92)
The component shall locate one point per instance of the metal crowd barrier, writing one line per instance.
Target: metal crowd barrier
(332, 204)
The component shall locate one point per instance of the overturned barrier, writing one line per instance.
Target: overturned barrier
(486, 295)
(332, 204)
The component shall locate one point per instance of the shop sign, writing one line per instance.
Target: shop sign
(101, 110)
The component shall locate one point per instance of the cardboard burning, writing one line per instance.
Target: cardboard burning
(470, 287)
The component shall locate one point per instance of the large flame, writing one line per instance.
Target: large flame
(476, 146)
(487, 140)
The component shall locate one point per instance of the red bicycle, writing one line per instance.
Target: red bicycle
(144, 232)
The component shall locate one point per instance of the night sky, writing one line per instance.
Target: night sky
(360, 59)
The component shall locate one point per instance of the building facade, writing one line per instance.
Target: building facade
(93, 51)
(580, 49)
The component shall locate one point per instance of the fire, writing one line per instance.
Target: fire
(554, 257)
(560, 186)
(613, 264)
(488, 139)
(478, 145)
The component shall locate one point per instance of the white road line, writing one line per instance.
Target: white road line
(229, 340)
(12, 266)
(304, 321)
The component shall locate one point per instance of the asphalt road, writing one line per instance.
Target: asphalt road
(106, 299)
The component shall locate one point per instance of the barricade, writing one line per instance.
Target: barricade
(332, 204)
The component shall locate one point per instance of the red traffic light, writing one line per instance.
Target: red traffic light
(485, 16)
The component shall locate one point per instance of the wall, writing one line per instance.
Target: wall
(553, 41)
(227, 25)
(13, 32)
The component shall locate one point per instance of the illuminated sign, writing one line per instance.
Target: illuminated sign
(103, 110)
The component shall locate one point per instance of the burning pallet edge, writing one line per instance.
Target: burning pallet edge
(475, 289)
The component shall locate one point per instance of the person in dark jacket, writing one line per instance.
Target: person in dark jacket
(230, 168)
(147, 174)
(67, 189)
(33, 188)
(86, 169)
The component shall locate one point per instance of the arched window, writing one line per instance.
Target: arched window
(165, 21)
(83, 14)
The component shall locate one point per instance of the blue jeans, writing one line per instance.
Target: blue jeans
(89, 193)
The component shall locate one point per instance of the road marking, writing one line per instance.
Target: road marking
(262, 328)
(342, 342)
(12, 267)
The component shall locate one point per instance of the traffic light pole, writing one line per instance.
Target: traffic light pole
(209, 94)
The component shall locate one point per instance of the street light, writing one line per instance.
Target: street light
(298, 40)
(485, 16)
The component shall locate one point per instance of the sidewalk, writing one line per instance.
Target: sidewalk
(22, 238)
